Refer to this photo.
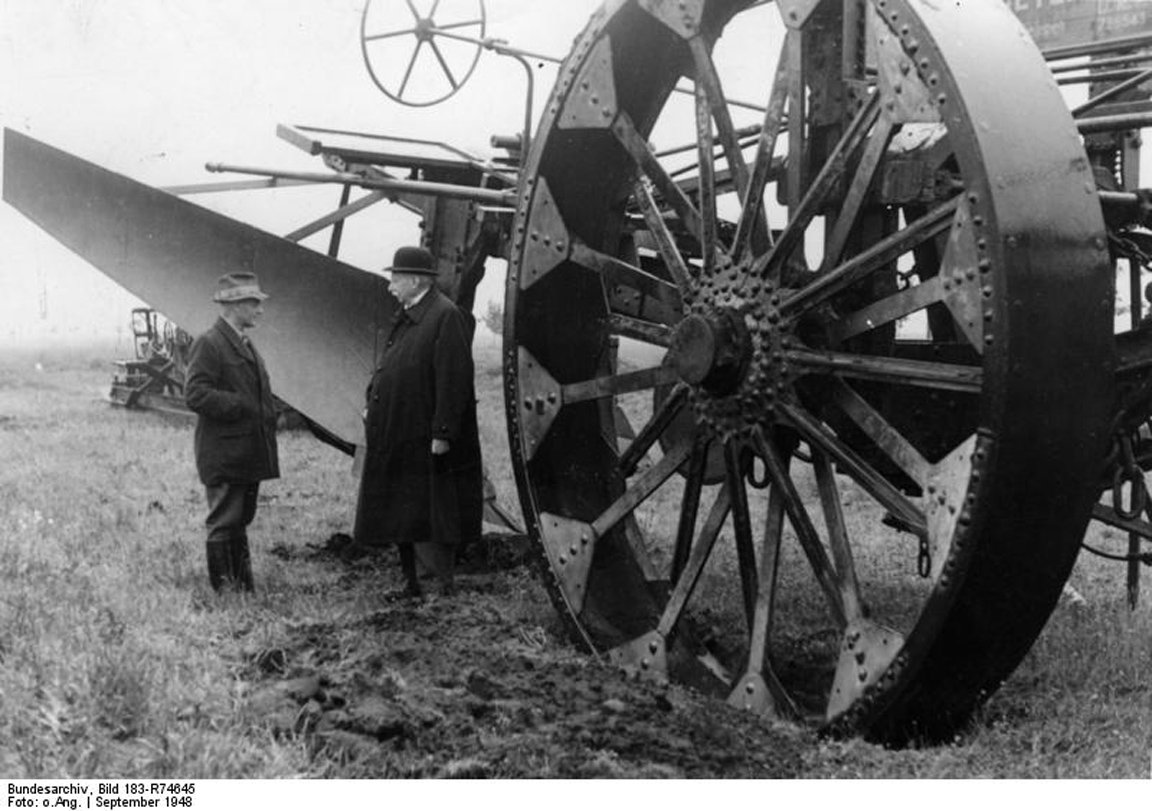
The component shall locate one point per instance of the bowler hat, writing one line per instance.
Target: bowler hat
(238, 287)
(412, 260)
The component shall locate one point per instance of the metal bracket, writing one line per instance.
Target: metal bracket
(645, 657)
(592, 102)
(569, 545)
(905, 96)
(547, 245)
(540, 400)
(682, 16)
(797, 12)
(866, 651)
(961, 280)
(751, 693)
(944, 495)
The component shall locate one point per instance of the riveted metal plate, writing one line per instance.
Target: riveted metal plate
(751, 693)
(682, 16)
(961, 280)
(546, 245)
(568, 544)
(866, 650)
(645, 657)
(904, 96)
(944, 500)
(591, 104)
(796, 12)
(541, 398)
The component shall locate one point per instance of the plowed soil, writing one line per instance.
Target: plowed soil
(471, 685)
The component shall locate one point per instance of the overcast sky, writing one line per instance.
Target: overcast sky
(154, 89)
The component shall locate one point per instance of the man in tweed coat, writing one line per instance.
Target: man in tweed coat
(227, 386)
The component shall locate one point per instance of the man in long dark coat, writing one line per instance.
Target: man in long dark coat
(227, 386)
(422, 484)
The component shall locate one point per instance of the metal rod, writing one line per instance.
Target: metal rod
(234, 185)
(1113, 123)
(1104, 46)
(1109, 62)
(1112, 92)
(489, 196)
(1101, 76)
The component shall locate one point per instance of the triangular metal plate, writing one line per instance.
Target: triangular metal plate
(866, 651)
(591, 103)
(568, 545)
(540, 401)
(547, 244)
(682, 16)
(645, 657)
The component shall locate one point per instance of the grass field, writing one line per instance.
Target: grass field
(117, 660)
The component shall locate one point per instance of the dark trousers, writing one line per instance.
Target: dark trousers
(231, 508)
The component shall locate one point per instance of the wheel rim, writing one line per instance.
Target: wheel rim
(786, 374)
(426, 59)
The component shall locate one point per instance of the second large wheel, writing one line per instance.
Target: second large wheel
(806, 394)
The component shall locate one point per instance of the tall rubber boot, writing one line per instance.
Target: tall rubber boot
(220, 571)
(241, 563)
(408, 567)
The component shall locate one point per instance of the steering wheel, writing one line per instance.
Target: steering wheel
(428, 57)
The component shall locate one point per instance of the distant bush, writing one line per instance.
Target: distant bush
(494, 318)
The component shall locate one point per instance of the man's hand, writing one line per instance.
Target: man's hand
(439, 447)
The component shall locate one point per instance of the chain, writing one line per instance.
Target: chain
(1128, 472)
(1129, 249)
(924, 558)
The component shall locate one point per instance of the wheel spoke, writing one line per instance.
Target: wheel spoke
(707, 187)
(751, 216)
(665, 242)
(766, 580)
(741, 527)
(887, 310)
(770, 264)
(864, 474)
(689, 507)
(802, 524)
(899, 371)
(894, 445)
(845, 567)
(686, 584)
(614, 385)
(444, 64)
(877, 256)
(390, 34)
(627, 326)
(650, 166)
(641, 488)
(760, 688)
(617, 272)
(666, 412)
(854, 199)
(465, 24)
(411, 65)
(708, 83)
(412, 8)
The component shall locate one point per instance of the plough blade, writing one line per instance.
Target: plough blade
(318, 332)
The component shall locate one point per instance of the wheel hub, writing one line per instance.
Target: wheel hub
(731, 350)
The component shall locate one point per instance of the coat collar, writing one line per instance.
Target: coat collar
(233, 337)
(416, 312)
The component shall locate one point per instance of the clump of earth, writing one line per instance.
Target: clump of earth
(483, 684)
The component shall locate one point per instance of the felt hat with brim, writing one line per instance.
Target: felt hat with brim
(412, 260)
(238, 287)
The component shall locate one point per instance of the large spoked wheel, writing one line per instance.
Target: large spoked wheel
(806, 397)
